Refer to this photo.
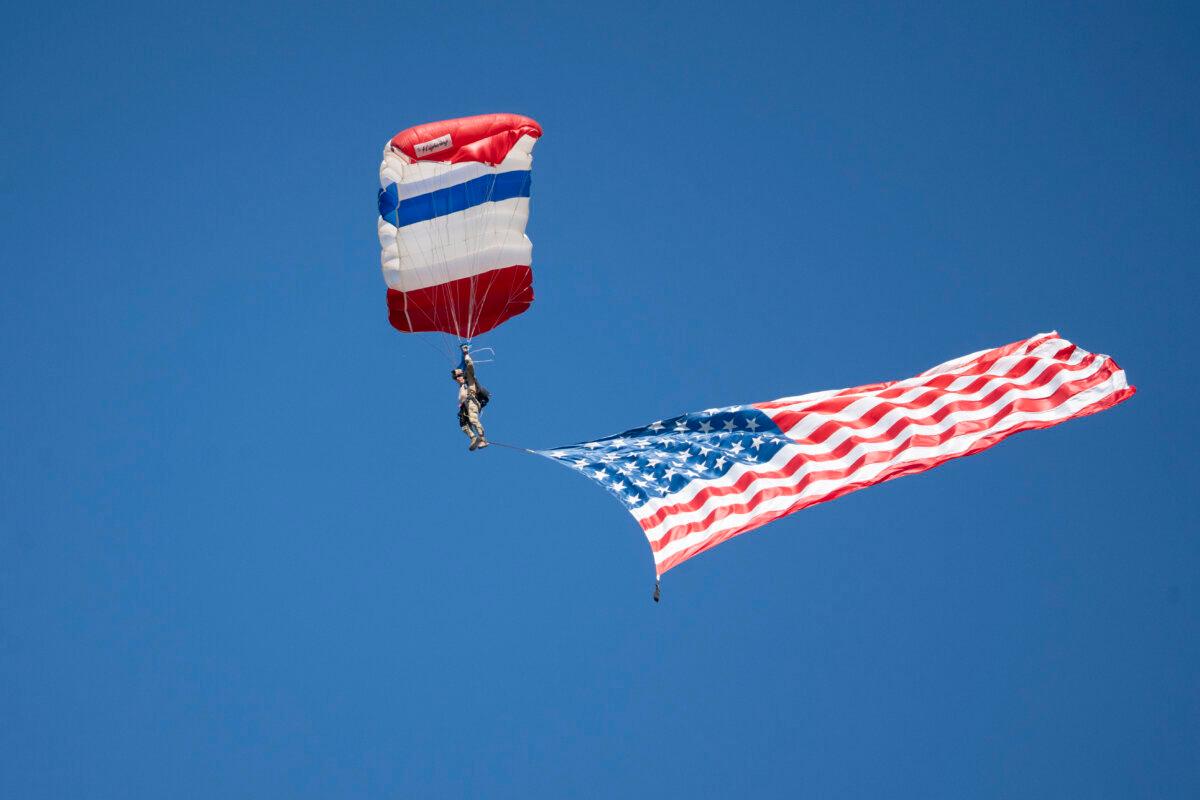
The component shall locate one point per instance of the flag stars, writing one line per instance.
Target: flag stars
(666, 457)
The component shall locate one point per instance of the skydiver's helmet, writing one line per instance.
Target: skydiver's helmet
(456, 373)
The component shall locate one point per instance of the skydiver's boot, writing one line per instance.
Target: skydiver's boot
(474, 443)
(482, 443)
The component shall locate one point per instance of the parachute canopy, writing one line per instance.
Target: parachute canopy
(453, 203)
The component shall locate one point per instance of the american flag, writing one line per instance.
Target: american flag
(696, 480)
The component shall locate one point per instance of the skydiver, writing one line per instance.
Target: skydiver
(469, 407)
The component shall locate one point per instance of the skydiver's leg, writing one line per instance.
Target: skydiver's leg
(473, 417)
(464, 423)
(475, 440)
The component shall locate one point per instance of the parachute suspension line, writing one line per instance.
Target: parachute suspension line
(507, 233)
(507, 303)
(441, 350)
(440, 347)
(439, 239)
(475, 353)
(399, 271)
(480, 210)
(404, 301)
(470, 332)
(473, 279)
(491, 230)
(471, 217)
(504, 243)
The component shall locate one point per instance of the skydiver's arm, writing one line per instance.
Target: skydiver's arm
(469, 370)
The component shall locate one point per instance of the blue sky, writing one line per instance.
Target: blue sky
(245, 553)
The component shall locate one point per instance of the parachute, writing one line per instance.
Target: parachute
(453, 204)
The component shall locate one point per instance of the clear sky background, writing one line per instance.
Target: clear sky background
(244, 552)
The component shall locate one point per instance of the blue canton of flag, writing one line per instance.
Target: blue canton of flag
(663, 457)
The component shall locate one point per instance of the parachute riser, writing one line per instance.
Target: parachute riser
(465, 348)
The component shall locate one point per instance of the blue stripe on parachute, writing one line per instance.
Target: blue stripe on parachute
(389, 199)
(475, 192)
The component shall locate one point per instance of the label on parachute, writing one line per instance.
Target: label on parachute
(433, 146)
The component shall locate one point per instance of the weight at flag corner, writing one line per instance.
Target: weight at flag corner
(699, 479)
